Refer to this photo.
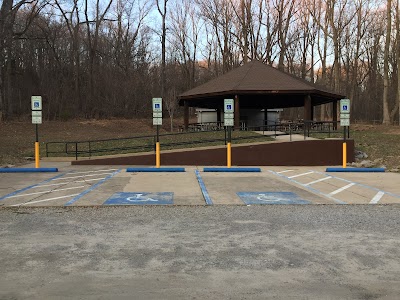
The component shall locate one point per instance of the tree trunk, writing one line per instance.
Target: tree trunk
(163, 13)
(398, 56)
(386, 113)
(7, 17)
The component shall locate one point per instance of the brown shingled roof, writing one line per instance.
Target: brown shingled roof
(259, 79)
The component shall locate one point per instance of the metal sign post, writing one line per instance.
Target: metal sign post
(228, 122)
(36, 106)
(157, 121)
(345, 123)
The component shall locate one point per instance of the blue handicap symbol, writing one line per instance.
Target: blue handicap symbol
(142, 198)
(35, 104)
(228, 107)
(344, 107)
(157, 105)
(271, 198)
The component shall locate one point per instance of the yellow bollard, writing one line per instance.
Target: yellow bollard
(158, 159)
(37, 157)
(229, 155)
(344, 155)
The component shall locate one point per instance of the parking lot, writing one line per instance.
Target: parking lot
(199, 235)
(105, 185)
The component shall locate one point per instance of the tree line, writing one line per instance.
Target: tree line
(108, 58)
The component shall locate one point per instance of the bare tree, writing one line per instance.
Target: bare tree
(386, 114)
(72, 21)
(9, 33)
(398, 56)
(219, 15)
(185, 27)
(162, 9)
(93, 25)
(171, 105)
(285, 12)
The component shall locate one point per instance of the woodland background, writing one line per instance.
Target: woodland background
(108, 58)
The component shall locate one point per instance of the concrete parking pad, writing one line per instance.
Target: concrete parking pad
(93, 185)
(351, 188)
(223, 187)
(14, 182)
(184, 185)
(58, 190)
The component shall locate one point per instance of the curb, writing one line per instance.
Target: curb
(155, 170)
(27, 170)
(231, 170)
(359, 170)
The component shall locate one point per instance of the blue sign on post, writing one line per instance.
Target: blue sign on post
(271, 198)
(163, 198)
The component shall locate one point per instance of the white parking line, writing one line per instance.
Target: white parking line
(284, 171)
(377, 197)
(298, 175)
(79, 181)
(81, 176)
(33, 202)
(51, 191)
(309, 188)
(84, 172)
(342, 189)
(319, 180)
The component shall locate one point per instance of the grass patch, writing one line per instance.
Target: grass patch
(381, 143)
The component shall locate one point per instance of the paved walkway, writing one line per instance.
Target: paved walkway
(281, 136)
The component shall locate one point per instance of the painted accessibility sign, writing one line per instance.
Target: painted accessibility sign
(271, 198)
(141, 198)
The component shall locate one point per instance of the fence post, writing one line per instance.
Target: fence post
(290, 131)
(90, 150)
(47, 150)
(76, 151)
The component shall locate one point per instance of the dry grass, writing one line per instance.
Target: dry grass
(381, 143)
(17, 138)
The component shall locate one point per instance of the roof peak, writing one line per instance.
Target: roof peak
(255, 76)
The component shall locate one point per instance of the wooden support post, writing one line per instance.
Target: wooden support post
(308, 115)
(186, 115)
(219, 117)
(237, 113)
(334, 114)
(312, 112)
